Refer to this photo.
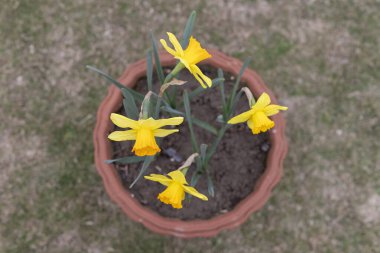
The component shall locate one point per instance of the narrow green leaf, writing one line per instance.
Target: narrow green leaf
(137, 95)
(236, 85)
(149, 70)
(205, 125)
(222, 92)
(169, 109)
(195, 178)
(198, 122)
(126, 160)
(160, 71)
(130, 105)
(189, 121)
(210, 185)
(215, 143)
(188, 29)
(215, 83)
(203, 152)
(147, 161)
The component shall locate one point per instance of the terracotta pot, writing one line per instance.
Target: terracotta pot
(175, 227)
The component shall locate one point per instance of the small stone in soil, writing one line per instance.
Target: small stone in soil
(265, 147)
(173, 155)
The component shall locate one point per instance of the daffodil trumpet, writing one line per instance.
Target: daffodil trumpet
(176, 185)
(257, 117)
(143, 131)
(189, 58)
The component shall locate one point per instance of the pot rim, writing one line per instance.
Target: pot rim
(171, 226)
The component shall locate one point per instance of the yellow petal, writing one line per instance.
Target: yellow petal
(194, 53)
(250, 123)
(178, 176)
(173, 195)
(168, 122)
(241, 117)
(203, 76)
(274, 109)
(194, 192)
(122, 121)
(148, 123)
(159, 178)
(145, 144)
(175, 43)
(123, 135)
(167, 48)
(199, 80)
(261, 123)
(263, 101)
(164, 132)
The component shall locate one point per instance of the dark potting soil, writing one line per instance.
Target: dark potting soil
(235, 167)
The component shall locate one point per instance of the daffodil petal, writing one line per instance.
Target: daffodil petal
(164, 132)
(194, 53)
(148, 123)
(167, 48)
(184, 62)
(159, 178)
(274, 109)
(123, 135)
(203, 76)
(241, 117)
(178, 176)
(175, 43)
(200, 80)
(192, 191)
(175, 121)
(250, 123)
(263, 101)
(122, 121)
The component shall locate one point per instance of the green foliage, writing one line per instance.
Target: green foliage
(157, 61)
(188, 29)
(127, 160)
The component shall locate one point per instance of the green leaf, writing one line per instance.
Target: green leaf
(126, 160)
(205, 125)
(188, 29)
(149, 70)
(189, 121)
(198, 122)
(222, 92)
(203, 152)
(195, 178)
(160, 71)
(169, 109)
(210, 185)
(136, 95)
(215, 83)
(130, 105)
(235, 87)
(147, 161)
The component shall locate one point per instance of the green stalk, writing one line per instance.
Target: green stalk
(189, 121)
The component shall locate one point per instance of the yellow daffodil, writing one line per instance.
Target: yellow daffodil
(143, 131)
(176, 187)
(257, 117)
(189, 57)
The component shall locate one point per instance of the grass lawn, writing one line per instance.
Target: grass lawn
(321, 58)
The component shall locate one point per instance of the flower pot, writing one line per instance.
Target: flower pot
(175, 227)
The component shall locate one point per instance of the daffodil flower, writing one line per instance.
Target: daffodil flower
(176, 187)
(257, 117)
(143, 131)
(189, 57)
